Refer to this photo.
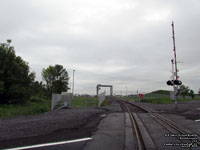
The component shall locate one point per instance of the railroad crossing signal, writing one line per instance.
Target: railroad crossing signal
(174, 82)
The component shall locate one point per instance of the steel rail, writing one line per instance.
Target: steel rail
(168, 123)
(163, 119)
(134, 124)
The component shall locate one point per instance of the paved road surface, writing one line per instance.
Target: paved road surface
(105, 126)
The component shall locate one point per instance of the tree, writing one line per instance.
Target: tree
(56, 78)
(191, 93)
(38, 89)
(15, 77)
(184, 90)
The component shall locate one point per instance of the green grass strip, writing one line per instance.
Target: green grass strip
(32, 107)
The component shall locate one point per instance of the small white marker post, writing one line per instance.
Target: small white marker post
(138, 97)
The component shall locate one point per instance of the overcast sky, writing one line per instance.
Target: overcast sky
(125, 43)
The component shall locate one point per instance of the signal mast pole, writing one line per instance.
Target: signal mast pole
(174, 78)
(174, 49)
(174, 63)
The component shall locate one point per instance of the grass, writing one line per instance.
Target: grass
(158, 100)
(33, 106)
(164, 100)
(38, 105)
(84, 102)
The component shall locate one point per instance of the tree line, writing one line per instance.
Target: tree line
(182, 91)
(185, 91)
(17, 82)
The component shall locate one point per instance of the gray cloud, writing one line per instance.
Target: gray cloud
(124, 43)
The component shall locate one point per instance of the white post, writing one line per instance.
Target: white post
(126, 91)
(73, 85)
(138, 96)
(175, 88)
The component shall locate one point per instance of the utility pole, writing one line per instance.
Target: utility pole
(70, 85)
(126, 91)
(73, 85)
(138, 98)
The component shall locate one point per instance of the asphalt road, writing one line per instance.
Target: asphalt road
(62, 125)
(187, 114)
(104, 126)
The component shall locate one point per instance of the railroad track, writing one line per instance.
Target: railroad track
(140, 142)
(186, 140)
(143, 139)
